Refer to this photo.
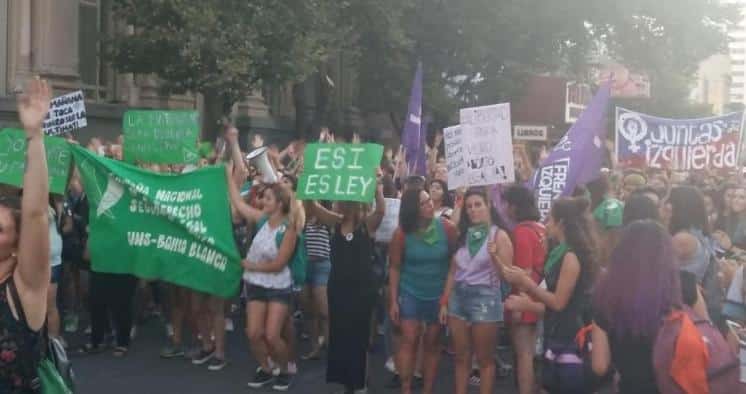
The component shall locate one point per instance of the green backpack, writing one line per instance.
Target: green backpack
(299, 260)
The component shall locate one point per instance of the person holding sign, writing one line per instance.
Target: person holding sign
(471, 304)
(268, 280)
(351, 289)
(24, 254)
(419, 257)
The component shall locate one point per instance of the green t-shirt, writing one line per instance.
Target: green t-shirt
(609, 213)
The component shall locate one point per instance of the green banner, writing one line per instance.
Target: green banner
(13, 159)
(161, 137)
(160, 226)
(340, 172)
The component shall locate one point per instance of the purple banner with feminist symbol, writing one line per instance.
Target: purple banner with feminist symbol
(577, 157)
(678, 144)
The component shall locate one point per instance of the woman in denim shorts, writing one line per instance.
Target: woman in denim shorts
(419, 255)
(472, 303)
(317, 276)
(268, 281)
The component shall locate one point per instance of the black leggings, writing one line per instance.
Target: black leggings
(111, 295)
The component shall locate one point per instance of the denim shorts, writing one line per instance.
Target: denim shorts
(412, 308)
(476, 304)
(262, 294)
(317, 273)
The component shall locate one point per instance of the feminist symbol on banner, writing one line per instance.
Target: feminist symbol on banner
(633, 129)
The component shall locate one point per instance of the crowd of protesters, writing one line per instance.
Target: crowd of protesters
(612, 264)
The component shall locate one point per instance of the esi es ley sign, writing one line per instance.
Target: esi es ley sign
(340, 172)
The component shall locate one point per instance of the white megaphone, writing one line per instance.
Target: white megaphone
(260, 160)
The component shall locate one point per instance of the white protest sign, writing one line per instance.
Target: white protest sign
(390, 221)
(455, 157)
(66, 113)
(487, 145)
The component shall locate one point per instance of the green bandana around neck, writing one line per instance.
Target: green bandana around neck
(555, 256)
(475, 238)
(429, 234)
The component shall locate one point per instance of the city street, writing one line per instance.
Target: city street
(143, 372)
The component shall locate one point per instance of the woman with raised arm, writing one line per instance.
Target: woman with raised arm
(267, 278)
(351, 290)
(24, 254)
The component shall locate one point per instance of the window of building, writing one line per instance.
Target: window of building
(92, 26)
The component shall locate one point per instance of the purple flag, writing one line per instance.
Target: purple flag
(577, 157)
(413, 137)
(497, 202)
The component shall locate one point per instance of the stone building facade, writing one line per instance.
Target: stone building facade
(60, 41)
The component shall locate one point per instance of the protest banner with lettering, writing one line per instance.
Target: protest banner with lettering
(176, 228)
(13, 159)
(161, 137)
(577, 157)
(66, 113)
(340, 172)
(678, 144)
(390, 221)
(479, 151)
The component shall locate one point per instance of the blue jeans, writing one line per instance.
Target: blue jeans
(476, 304)
(317, 273)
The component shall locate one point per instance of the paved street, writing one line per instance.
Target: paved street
(143, 372)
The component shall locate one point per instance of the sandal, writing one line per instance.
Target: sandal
(120, 351)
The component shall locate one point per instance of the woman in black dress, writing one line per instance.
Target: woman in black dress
(351, 289)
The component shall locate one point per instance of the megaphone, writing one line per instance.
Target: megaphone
(260, 160)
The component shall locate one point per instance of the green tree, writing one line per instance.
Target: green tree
(480, 51)
(222, 49)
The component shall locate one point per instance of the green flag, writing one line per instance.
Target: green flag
(340, 172)
(162, 137)
(13, 159)
(161, 226)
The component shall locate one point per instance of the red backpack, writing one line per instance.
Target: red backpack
(677, 373)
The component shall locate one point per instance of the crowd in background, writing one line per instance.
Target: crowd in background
(610, 264)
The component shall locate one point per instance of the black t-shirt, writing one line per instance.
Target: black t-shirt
(633, 359)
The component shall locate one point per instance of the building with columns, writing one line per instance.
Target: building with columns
(59, 40)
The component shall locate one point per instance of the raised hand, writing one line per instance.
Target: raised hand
(33, 106)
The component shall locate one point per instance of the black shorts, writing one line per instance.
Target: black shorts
(256, 293)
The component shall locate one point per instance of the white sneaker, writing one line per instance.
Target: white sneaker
(390, 366)
(229, 324)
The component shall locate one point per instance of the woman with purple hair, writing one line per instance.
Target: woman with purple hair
(640, 288)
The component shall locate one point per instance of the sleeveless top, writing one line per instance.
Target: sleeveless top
(478, 270)
(20, 348)
(352, 260)
(424, 266)
(564, 325)
(264, 248)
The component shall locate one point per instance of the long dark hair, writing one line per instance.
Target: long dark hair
(523, 201)
(464, 222)
(409, 212)
(687, 210)
(447, 197)
(578, 226)
(642, 285)
(598, 189)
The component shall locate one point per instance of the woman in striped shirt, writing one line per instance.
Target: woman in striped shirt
(317, 276)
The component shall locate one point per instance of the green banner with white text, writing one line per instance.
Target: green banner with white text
(340, 172)
(13, 160)
(176, 228)
(161, 137)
